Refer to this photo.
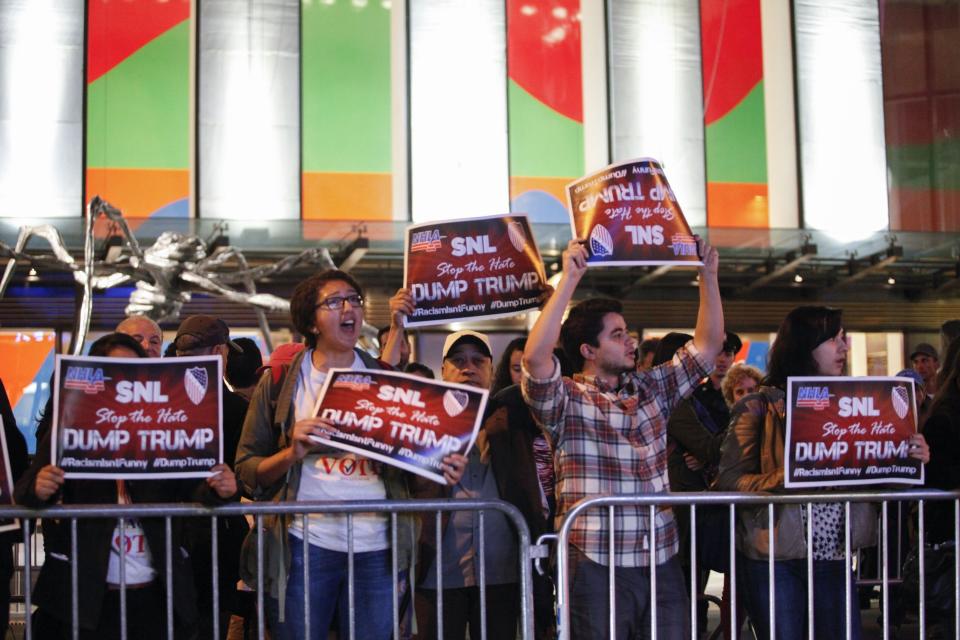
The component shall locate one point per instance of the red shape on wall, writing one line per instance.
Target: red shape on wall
(117, 29)
(543, 52)
(732, 51)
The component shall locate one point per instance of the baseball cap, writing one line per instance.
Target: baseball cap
(478, 339)
(912, 374)
(204, 331)
(732, 343)
(924, 349)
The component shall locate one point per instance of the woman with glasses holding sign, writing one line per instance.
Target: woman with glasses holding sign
(278, 459)
(102, 570)
(810, 342)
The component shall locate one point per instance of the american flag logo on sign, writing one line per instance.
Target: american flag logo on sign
(601, 243)
(455, 401)
(195, 380)
(901, 401)
(517, 237)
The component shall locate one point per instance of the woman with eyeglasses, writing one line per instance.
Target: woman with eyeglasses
(277, 459)
(810, 342)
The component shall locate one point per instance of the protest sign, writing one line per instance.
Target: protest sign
(400, 419)
(137, 418)
(6, 481)
(850, 431)
(629, 216)
(472, 269)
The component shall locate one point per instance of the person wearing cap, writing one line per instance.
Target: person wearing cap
(203, 335)
(926, 361)
(145, 331)
(278, 459)
(608, 428)
(468, 359)
(243, 368)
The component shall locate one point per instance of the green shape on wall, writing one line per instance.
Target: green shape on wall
(138, 112)
(543, 142)
(346, 86)
(736, 144)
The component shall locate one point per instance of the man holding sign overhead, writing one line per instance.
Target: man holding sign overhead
(608, 427)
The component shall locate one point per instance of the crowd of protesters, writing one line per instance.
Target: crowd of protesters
(578, 408)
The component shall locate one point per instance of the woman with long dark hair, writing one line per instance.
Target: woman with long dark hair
(508, 369)
(810, 342)
(942, 431)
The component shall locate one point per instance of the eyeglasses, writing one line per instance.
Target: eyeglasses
(335, 303)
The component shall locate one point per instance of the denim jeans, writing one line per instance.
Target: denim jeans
(373, 593)
(790, 593)
(589, 600)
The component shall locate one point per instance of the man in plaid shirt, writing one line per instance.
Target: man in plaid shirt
(608, 429)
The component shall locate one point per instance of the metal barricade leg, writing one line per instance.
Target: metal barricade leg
(612, 583)
(395, 572)
(923, 573)
(733, 572)
(884, 542)
(305, 525)
(123, 579)
(847, 573)
(653, 572)
(439, 570)
(810, 612)
(351, 577)
(74, 583)
(694, 586)
(261, 611)
(168, 543)
(27, 580)
(483, 580)
(215, 574)
(771, 574)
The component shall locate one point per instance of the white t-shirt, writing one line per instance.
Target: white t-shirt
(138, 567)
(336, 476)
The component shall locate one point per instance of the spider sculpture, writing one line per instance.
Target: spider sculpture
(164, 274)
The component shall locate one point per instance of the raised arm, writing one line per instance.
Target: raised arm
(538, 353)
(401, 305)
(709, 334)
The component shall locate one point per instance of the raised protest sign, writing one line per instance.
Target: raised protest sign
(137, 418)
(471, 269)
(403, 420)
(628, 215)
(850, 431)
(6, 481)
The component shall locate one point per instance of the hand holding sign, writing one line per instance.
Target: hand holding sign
(629, 216)
(710, 257)
(419, 425)
(919, 449)
(575, 259)
(48, 482)
(470, 269)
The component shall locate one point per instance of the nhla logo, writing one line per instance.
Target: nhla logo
(425, 241)
(86, 379)
(684, 244)
(354, 381)
(816, 398)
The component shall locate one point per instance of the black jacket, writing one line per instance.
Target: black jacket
(942, 431)
(16, 452)
(52, 592)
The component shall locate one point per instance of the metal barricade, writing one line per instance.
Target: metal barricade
(167, 512)
(734, 500)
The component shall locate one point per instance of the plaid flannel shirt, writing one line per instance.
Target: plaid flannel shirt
(610, 441)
